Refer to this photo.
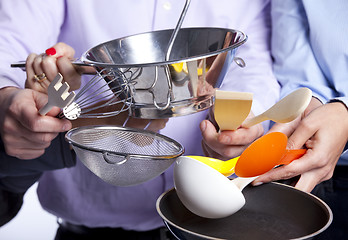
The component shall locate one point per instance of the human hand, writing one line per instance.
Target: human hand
(323, 130)
(227, 144)
(25, 133)
(41, 69)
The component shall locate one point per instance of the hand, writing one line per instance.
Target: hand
(24, 132)
(41, 69)
(225, 145)
(323, 131)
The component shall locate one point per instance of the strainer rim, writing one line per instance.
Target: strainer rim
(68, 137)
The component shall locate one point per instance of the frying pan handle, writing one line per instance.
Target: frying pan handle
(120, 159)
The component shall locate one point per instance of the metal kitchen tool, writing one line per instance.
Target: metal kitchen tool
(123, 156)
(143, 71)
(57, 95)
(272, 211)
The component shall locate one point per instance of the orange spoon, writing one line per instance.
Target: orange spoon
(261, 156)
(264, 154)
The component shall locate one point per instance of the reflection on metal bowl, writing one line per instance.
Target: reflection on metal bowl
(182, 85)
(272, 211)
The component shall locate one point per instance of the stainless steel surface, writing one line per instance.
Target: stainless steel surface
(272, 211)
(176, 29)
(123, 156)
(183, 85)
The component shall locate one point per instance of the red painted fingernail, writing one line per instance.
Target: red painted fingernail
(51, 51)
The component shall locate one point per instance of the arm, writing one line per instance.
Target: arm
(323, 128)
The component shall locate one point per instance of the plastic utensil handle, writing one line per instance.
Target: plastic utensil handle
(242, 182)
(291, 155)
(255, 120)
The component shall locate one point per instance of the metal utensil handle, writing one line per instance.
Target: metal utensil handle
(108, 160)
(176, 30)
(85, 67)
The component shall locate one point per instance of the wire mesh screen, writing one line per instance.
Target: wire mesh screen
(124, 156)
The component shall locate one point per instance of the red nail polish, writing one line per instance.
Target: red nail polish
(51, 51)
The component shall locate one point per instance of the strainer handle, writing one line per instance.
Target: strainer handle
(107, 159)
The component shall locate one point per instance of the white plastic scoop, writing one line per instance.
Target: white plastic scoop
(205, 191)
(285, 110)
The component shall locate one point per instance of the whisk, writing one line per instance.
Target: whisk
(142, 74)
(108, 90)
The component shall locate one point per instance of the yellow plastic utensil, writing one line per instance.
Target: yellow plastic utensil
(224, 167)
(231, 108)
(261, 156)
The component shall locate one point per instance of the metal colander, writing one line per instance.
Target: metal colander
(123, 156)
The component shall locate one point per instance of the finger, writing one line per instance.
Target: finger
(300, 136)
(241, 136)
(307, 182)
(209, 133)
(32, 80)
(49, 67)
(30, 119)
(30, 71)
(286, 128)
(37, 64)
(61, 49)
(157, 124)
(137, 123)
(26, 154)
(67, 69)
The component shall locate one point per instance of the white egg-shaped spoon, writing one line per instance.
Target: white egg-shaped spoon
(205, 191)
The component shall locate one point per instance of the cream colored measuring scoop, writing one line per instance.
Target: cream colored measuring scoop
(231, 108)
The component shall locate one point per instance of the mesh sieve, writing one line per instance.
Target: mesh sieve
(123, 156)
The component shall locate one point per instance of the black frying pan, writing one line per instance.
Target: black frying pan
(272, 211)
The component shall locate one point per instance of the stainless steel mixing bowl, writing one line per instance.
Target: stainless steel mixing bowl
(183, 84)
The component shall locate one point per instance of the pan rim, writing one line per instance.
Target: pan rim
(329, 213)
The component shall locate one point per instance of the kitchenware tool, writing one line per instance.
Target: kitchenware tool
(272, 211)
(261, 156)
(205, 191)
(224, 167)
(264, 154)
(231, 108)
(140, 70)
(123, 156)
(58, 95)
(99, 98)
(285, 110)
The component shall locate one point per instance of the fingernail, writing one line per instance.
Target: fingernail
(257, 184)
(203, 126)
(66, 127)
(51, 51)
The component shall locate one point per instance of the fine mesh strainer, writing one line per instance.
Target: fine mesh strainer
(123, 156)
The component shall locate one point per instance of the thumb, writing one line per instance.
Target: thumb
(41, 100)
(61, 50)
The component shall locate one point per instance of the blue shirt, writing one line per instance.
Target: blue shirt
(75, 194)
(310, 48)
